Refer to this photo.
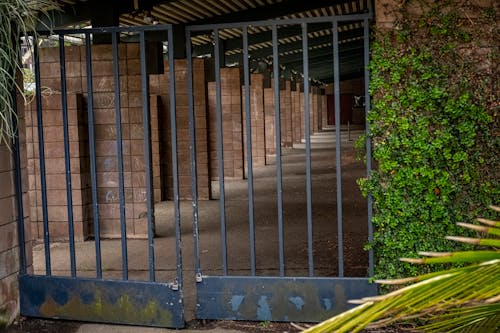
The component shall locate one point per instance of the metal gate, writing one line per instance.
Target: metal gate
(98, 292)
(139, 300)
(275, 294)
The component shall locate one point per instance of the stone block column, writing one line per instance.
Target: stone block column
(55, 169)
(106, 149)
(296, 115)
(160, 85)
(256, 119)
(313, 110)
(232, 130)
(302, 109)
(269, 124)
(324, 110)
(286, 114)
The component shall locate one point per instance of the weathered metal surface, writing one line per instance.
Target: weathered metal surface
(120, 302)
(278, 298)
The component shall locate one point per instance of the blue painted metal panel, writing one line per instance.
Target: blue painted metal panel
(278, 298)
(119, 302)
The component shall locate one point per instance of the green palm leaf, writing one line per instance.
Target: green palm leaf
(17, 18)
(465, 299)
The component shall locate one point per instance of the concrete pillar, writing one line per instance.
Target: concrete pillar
(56, 170)
(232, 130)
(302, 113)
(105, 133)
(324, 110)
(313, 110)
(257, 121)
(286, 114)
(132, 135)
(296, 115)
(160, 85)
(269, 125)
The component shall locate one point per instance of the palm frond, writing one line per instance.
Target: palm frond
(465, 299)
(17, 19)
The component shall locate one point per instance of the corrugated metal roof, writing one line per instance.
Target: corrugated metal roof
(192, 12)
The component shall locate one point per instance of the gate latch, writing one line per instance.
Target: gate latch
(174, 285)
(198, 277)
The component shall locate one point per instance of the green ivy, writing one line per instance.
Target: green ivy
(435, 133)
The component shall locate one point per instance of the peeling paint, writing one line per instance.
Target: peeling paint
(263, 309)
(327, 304)
(278, 298)
(123, 302)
(236, 301)
(297, 301)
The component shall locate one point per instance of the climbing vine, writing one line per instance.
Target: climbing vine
(434, 123)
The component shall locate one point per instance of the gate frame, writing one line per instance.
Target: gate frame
(281, 298)
(219, 297)
(148, 303)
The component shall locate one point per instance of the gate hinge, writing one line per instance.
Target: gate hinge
(199, 277)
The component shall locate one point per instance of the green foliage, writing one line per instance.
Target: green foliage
(435, 133)
(17, 18)
(464, 299)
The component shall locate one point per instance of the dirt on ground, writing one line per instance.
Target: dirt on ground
(35, 325)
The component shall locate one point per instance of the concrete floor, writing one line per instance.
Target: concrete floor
(324, 215)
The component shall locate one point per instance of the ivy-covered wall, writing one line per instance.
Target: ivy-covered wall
(434, 122)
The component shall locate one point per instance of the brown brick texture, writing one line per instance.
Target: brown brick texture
(232, 131)
(9, 241)
(160, 85)
(256, 121)
(106, 147)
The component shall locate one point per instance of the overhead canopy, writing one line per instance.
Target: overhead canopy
(206, 12)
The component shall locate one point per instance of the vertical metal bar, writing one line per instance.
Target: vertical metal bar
(93, 177)
(305, 61)
(119, 146)
(41, 154)
(279, 180)
(19, 188)
(370, 6)
(366, 37)
(246, 70)
(336, 92)
(67, 157)
(220, 153)
(192, 151)
(147, 155)
(175, 167)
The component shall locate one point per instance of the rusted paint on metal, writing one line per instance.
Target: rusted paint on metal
(122, 302)
(278, 299)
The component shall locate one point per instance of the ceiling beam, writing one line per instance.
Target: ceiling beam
(84, 11)
(271, 11)
(353, 50)
(265, 36)
(268, 51)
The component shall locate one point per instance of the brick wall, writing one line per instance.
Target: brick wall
(9, 241)
(232, 130)
(302, 113)
(313, 110)
(269, 124)
(324, 111)
(286, 114)
(105, 137)
(257, 120)
(160, 85)
(56, 187)
(296, 115)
